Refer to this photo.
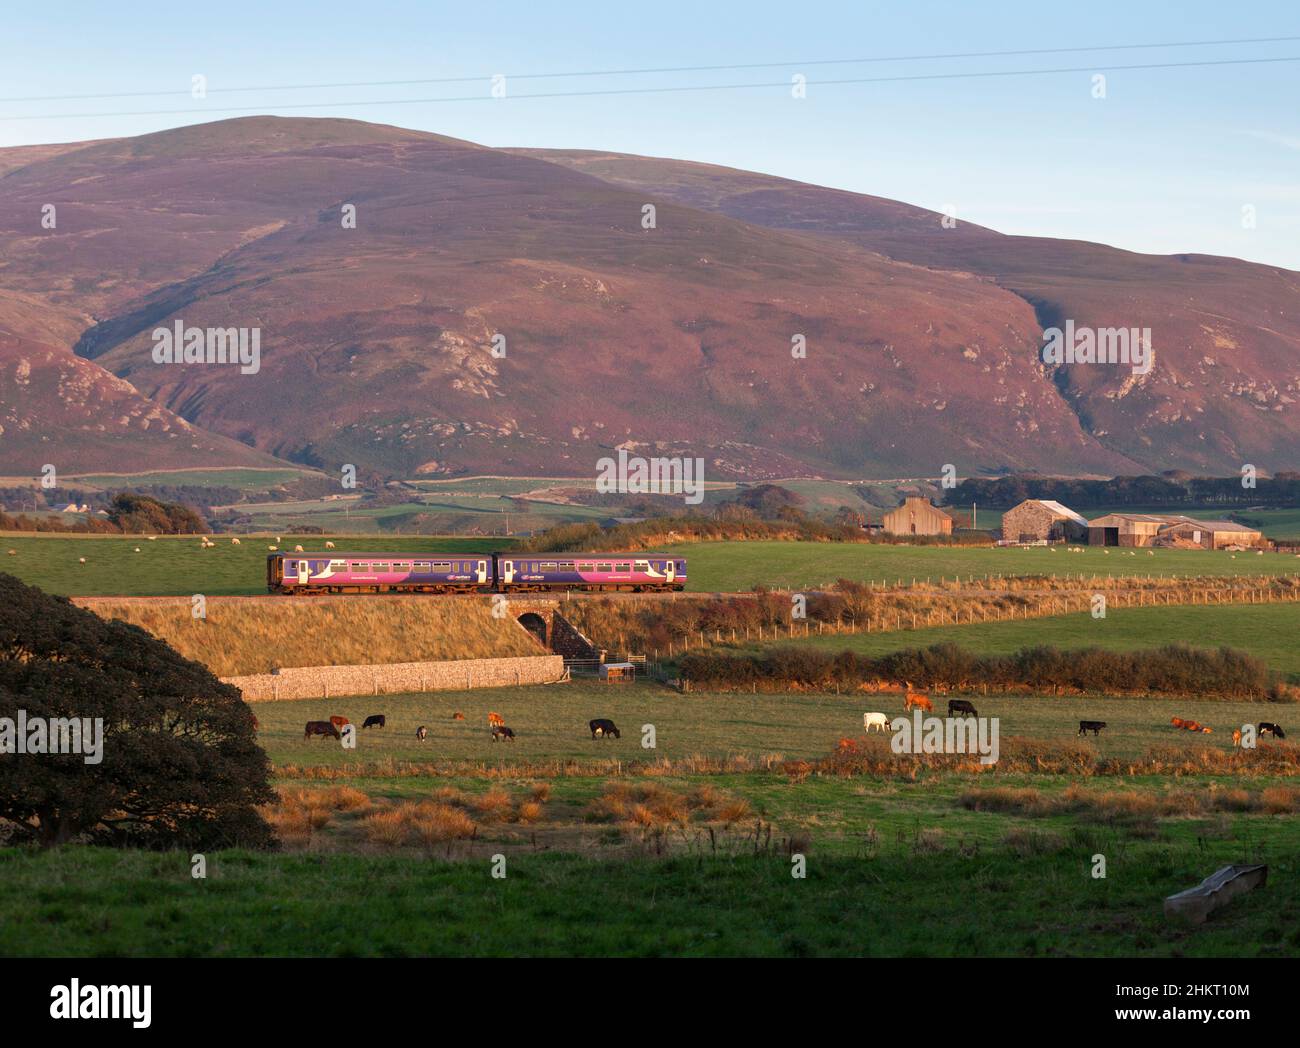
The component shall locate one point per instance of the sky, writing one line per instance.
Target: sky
(1188, 159)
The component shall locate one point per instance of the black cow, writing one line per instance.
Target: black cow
(500, 731)
(600, 728)
(375, 720)
(1267, 728)
(1091, 726)
(320, 728)
(960, 706)
(421, 733)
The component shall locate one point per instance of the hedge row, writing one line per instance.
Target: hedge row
(1171, 670)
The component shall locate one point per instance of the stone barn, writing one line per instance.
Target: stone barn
(917, 516)
(1041, 520)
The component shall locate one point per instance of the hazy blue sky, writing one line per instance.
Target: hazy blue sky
(1165, 163)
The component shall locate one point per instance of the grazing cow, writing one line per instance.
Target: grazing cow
(875, 720)
(375, 720)
(338, 721)
(1191, 726)
(458, 715)
(1268, 728)
(500, 731)
(495, 720)
(918, 702)
(321, 728)
(600, 728)
(1178, 722)
(1236, 736)
(1091, 726)
(421, 733)
(961, 706)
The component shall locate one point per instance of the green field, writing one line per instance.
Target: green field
(1268, 631)
(177, 565)
(732, 566)
(551, 723)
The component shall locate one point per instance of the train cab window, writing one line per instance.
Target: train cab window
(681, 565)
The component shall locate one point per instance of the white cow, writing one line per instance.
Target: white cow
(876, 720)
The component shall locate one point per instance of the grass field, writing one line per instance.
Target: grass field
(551, 723)
(1268, 631)
(176, 566)
(731, 566)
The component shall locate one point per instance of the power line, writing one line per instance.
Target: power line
(660, 90)
(667, 69)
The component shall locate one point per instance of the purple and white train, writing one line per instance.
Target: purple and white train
(472, 572)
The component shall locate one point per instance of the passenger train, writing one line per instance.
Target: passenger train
(472, 572)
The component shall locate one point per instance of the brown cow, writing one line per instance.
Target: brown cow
(320, 728)
(495, 720)
(1236, 736)
(917, 701)
(458, 715)
(1178, 722)
(338, 721)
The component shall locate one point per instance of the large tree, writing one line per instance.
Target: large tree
(180, 762)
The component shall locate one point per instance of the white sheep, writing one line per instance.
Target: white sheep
(234, 542)
(297, 549)
(81, 560)
(329, 545)
(13, 552)
(273, 549)
(137, 549)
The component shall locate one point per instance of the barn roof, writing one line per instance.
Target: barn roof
(1061, 510)
(1218, 525)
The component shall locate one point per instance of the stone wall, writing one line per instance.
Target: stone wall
(316, 682)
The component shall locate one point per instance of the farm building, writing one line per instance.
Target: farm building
(916, 516)
(1129, 529)
(1209, 534)
(1041, 520)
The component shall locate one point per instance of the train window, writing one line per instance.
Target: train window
(421, 565)
(566, 565)
(337, 564)
(291, 565)
(381, 565)
(586, 567)
(604, 567)
(624, 567)
(441, 565)
(548, 565)
(401, 566)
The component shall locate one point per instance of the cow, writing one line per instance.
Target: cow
(1095, 727)
(375, 720)
(458, 715)
(338, 721)
(320, 728)
(500, 731)
(495, 720)
(918, 702)
(421, 733)
(875, 720)
(1236, 737)
(1178, 722)
(1268, 728)
(960, 706)
(601, 728)
(1192, 726)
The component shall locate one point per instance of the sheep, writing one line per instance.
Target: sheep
(329, 545)
(12, 552)
(137, 549)
(297, 549)
(273, 549)
(153, 538)
(234, 542)
(81, 560)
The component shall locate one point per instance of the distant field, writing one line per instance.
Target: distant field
(1268, 631)
(732, 566)
(176, 565)
(551, 723)
(249, 479)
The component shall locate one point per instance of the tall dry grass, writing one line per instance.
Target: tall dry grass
(243, 637)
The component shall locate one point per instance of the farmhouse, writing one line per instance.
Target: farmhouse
(1041, 520)
(1209, 534)
(916, 516)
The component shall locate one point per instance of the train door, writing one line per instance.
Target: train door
(670, 570)
(507, 572)
(481, 572)
(304, 571)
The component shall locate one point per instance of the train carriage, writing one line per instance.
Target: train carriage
(378, 573)
(630, 572)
